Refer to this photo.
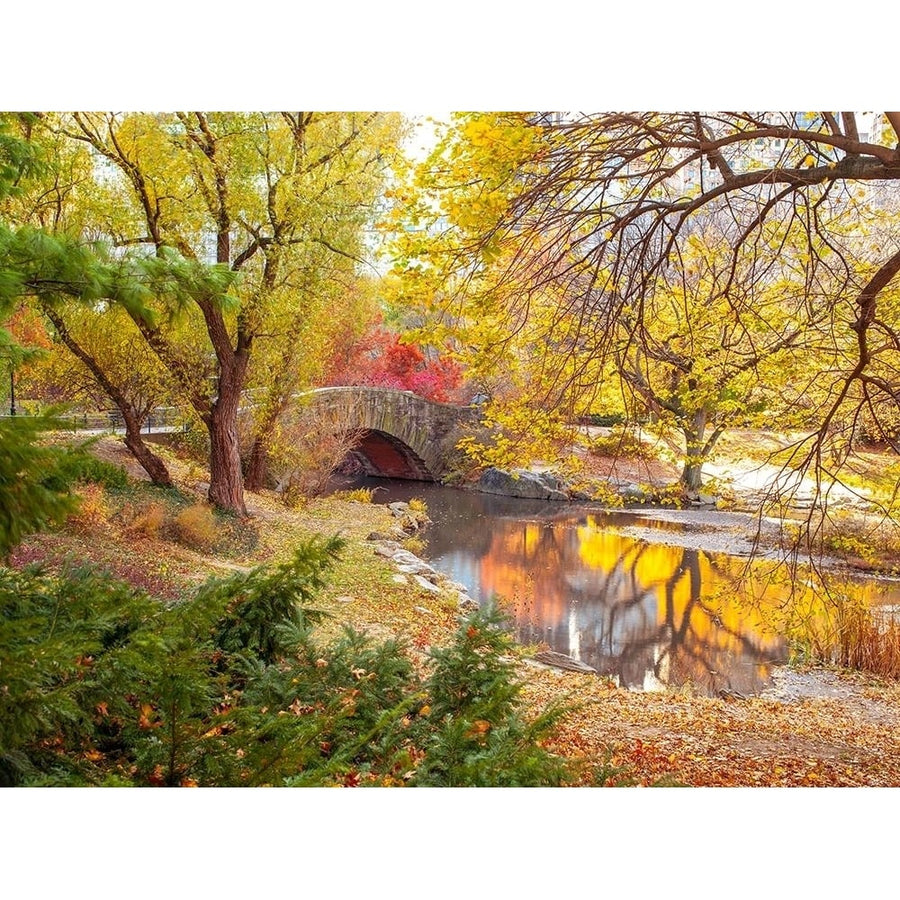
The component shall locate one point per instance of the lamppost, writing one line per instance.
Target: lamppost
(12, 389)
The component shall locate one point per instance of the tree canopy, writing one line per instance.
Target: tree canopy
(560, 234)
(278, 205)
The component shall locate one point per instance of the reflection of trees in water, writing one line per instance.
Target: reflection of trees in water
(623, 606)
(642, 610)
(704, 649)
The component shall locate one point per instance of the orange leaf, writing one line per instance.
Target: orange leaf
(479, 727)
(147, 717)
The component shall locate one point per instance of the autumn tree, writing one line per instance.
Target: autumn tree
(95, 350)
(263, 196)
(327, 276)
(105, 362)
(583, 219)
(381, 358)
(708, 361)
(37, 265)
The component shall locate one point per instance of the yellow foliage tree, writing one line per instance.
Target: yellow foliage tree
(698, 258)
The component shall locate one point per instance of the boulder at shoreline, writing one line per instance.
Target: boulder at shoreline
(522, 483)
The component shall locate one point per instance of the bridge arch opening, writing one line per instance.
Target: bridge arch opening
(386, 456)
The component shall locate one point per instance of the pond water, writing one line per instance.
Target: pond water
(650, 615)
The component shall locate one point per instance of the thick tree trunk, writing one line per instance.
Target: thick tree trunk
(226, 479)
(226, 483)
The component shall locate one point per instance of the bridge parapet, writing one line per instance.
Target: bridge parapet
(422, 432)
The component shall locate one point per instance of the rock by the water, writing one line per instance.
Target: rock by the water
(631, 491)
(387, 548)
(411, 567)
(426, 585)
(521, 483)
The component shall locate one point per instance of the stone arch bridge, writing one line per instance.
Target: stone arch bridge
(397, 433)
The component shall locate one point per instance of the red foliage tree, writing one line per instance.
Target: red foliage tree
(379, 359)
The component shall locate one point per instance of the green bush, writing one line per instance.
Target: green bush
(33, 485)
(603, 421)
(78, 466)
(104, 686)
(477, 736)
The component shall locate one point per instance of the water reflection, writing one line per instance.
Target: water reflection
(653, 616)
(649, 614)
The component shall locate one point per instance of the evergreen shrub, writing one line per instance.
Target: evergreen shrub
(102, 685)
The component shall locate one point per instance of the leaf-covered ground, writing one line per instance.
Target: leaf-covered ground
(817, 728)
(671, 738)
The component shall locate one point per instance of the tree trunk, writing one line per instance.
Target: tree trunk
(692, 479)
(695, 454)
(226, 485)
(697, 451)
(226, 480)
(256, 475)
(149, 461)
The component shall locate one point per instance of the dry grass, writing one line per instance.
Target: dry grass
(146, 520)
(855, 636)
(195, 527)
(869, 641)
(93, 510)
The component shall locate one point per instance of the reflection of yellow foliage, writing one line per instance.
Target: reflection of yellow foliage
(531, 537)
(723, 614)
(524, 540)
(702, 608)
(602, 549)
